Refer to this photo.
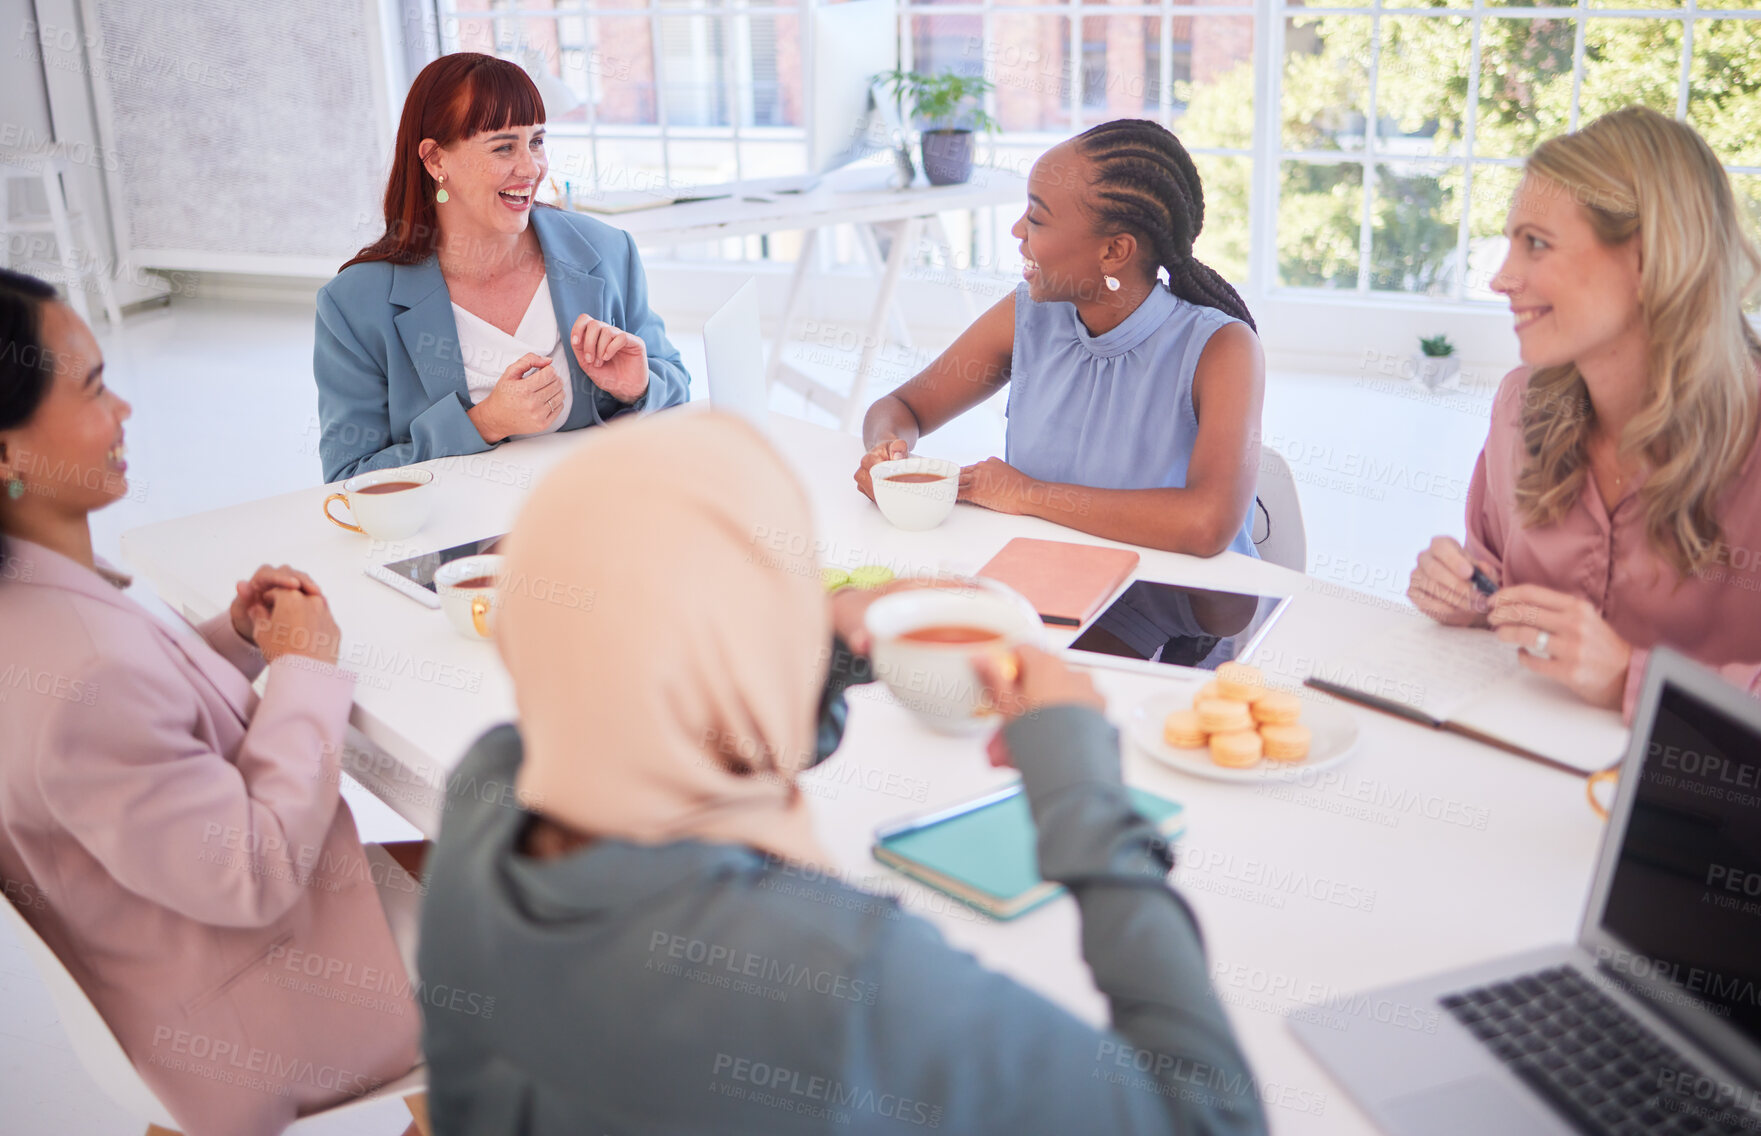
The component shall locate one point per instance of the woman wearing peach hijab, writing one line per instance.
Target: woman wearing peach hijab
(633, 916)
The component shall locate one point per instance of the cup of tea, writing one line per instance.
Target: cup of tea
(925, 640)
(469, 593)
(916, 493)
(388, 504)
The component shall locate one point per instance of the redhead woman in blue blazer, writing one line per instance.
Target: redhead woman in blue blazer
(481, 315)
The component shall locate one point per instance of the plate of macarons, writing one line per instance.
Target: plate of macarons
(1237, 728)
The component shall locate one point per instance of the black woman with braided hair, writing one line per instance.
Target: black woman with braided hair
(1135, 376)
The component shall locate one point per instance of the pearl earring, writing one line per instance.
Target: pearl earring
(1112, 283)
(440, 193)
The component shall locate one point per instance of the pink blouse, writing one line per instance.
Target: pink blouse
(1713, 615)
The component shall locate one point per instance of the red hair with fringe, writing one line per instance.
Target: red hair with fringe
(456, 96)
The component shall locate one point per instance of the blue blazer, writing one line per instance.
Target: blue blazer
(391, 382)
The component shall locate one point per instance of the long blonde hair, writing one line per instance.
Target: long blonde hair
(1637, 172)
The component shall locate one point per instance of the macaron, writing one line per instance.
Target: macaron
(833, 578)
(1236, 749)
(1183, 731)
(1239, 681)
(1221, 716)
(1277, 708)
(1285, 743)
(1209, 691)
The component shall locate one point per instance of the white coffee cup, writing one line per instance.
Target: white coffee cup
(916, 505)
(936, 680)
(470, 609)
(382, 511)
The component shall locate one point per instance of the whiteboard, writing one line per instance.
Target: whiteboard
(248, 137)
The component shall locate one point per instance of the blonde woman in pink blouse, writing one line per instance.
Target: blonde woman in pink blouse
(1617, 502)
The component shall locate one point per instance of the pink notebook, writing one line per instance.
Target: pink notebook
(1066, 583)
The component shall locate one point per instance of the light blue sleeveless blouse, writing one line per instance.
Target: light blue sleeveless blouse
(1112, 411)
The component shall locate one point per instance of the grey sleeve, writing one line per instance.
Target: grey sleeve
(993, 1056)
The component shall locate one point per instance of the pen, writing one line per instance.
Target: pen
(1483, 582)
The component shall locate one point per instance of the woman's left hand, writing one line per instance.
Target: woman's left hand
(614, 359)
(1581, 650)
(250, 598)
(995, 484)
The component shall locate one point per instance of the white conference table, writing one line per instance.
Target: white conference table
(1423, 851)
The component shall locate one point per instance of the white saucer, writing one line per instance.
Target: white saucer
(1333, 730)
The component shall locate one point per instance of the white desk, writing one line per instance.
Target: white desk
(848, 197)
(1424, 851)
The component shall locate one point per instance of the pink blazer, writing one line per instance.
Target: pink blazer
(182, 846)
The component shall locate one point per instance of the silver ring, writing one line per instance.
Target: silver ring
(1540, 648)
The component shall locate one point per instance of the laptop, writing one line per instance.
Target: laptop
(1651, 1022)
(734, 358)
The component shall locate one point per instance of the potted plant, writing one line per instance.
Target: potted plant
(946, 109)
(1440, 366)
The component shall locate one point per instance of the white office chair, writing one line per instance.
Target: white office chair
(103, 1058)
(1278, 531)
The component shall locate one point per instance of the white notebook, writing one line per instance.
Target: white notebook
(1466, 681)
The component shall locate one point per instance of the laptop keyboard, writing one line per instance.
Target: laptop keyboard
(1591, 1060)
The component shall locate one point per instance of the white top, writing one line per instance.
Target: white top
(487, 350)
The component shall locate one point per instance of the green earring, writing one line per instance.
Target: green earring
(14, 487)
(440, 194)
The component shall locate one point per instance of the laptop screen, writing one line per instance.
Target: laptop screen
(1685, 894)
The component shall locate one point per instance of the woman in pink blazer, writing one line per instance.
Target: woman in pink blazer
(183, 842)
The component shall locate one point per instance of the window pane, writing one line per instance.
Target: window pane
(1319, 207)
(770, 88)
(1213, 81)
(1491, 192)
(1223, 242)
(1421, 85)
(1414, 220)
(1748, 193)
(760, 158)
(571, 162)
(1121, 67)
(626, 63)
(1029, 62)
(699, 161)
(1326, 80)
(1635, 3)
(692, 51)
(949, 43)
(1525, 85)
(1724, 98)
(1427, 3)
(1630, 61)
(631, 164)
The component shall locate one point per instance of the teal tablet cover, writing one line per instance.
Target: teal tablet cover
(986, 857)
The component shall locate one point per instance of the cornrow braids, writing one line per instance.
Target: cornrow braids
(1145, 184)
